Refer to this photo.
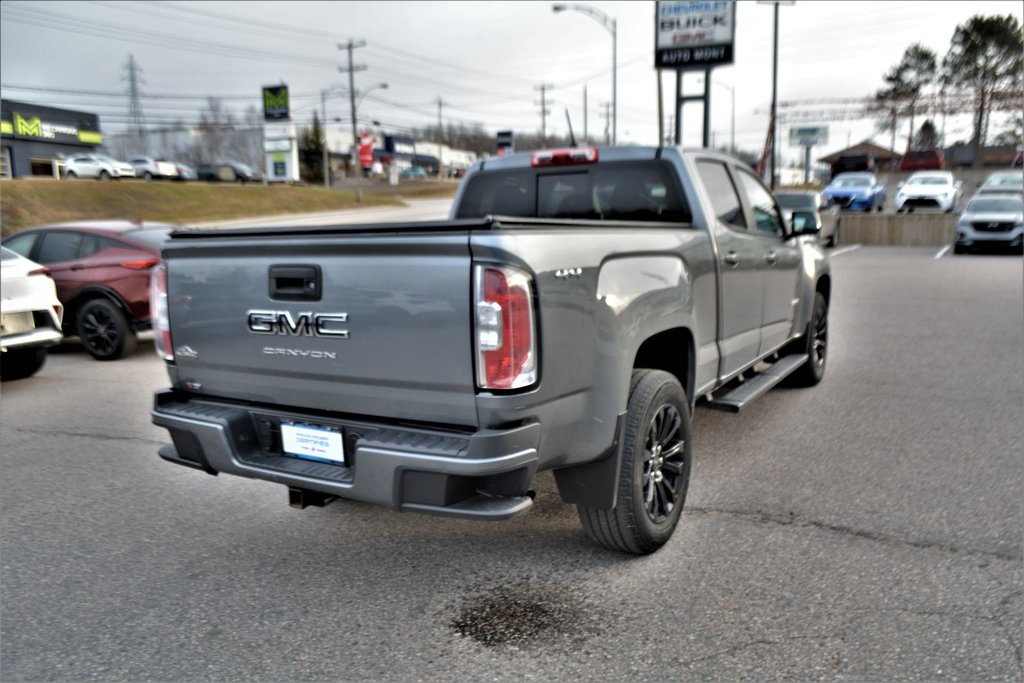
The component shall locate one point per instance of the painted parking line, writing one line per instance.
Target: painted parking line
(845, 250)
(942, 252)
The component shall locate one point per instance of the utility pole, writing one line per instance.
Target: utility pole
(134, 77)
(607, 116)
(544, 111)
(775, 77)
(586, 140)
(351, 70)
(440, 124)
(327, 162)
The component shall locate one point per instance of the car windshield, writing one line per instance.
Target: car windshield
(1006, 179)
(797, 200)
(996, 205)
(928, 180)
(153, 237)
(859, 181)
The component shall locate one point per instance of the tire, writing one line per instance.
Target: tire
(959, 249)
(653, 479)
(104, 175)
(104, 330)
(147, 176)
(21, 363)
(71, 175)
(815, 345)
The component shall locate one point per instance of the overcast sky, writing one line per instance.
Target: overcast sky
(483, 59)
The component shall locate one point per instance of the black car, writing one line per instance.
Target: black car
(228, 172)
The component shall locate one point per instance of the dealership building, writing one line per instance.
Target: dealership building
(35, 139)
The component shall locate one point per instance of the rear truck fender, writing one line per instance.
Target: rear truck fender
(646, 320)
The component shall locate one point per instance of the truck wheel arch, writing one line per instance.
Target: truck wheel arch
(595, 484)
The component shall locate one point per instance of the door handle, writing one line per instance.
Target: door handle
(771, 258)
(732, 259)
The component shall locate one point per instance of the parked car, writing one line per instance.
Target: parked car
(185, 172)
(97, 166)
(1002, 182)
(856, 191)
(228, 172)
(102, 271)
(31, 315)
(243, 173)
(826, 213)
(150, 168)
(923, 160)
(413, 172)
(991, 220)
(929, 190)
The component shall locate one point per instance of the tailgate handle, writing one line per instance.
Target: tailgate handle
(295, 283)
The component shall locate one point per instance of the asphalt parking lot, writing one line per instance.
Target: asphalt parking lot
(866, 529)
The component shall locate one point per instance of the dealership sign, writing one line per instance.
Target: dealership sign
(275, 103)
(47, 124)
(694, 34)
(808, 136)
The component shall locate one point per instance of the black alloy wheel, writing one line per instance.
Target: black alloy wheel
(815, 345)
(663, 463)
(654, 468)
(104, 330)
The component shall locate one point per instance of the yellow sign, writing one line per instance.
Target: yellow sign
(32, 127)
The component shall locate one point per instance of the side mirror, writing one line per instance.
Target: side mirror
(805, 223)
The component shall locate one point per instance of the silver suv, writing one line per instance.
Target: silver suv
(97, 166)
(991, 220)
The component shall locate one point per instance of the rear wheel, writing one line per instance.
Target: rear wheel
(104, 175)
(21, 363)
(654, 473)
(71, 175)
(105, 330)
(147, 175)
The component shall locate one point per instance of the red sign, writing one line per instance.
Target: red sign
(365, 150)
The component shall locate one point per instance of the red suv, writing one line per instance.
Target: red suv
(102, 271)
(923, 160)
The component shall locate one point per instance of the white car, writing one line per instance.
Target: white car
(30, 313)
(1002, 182)
(929, 190)
(991, 220)
(97, 166)
(149, 168)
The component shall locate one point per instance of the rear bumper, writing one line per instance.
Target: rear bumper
(483, 475)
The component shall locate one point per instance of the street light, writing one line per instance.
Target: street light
(609, 23)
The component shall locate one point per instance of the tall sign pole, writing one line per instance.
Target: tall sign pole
(693, 35)
(352, 69)
(773, 125)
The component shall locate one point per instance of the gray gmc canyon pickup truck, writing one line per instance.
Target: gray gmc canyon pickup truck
(567, 317)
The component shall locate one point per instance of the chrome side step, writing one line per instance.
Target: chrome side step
(758, 385)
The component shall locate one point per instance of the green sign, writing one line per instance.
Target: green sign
(275, 102)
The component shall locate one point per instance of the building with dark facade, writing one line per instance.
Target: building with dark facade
(35, 138)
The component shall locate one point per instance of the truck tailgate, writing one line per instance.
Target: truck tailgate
(385, 330)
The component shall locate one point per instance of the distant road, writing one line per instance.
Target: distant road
(415, 210)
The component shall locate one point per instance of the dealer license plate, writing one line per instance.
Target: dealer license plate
(313, 442)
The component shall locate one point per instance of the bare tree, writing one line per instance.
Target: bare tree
(986, 56)
(904, 86)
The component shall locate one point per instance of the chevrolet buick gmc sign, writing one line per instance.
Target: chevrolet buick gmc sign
(694, 34)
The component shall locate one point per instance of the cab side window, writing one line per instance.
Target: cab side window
(723, 193)
(766, 214)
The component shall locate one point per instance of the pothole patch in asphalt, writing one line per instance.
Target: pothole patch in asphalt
(523, 614)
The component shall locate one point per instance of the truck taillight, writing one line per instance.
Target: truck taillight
(158, 313)
(506, 339)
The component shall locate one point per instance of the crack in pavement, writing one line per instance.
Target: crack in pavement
(86, 435)
(760, 641)
(792, 520)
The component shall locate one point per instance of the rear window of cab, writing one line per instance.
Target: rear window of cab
(625, 191)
